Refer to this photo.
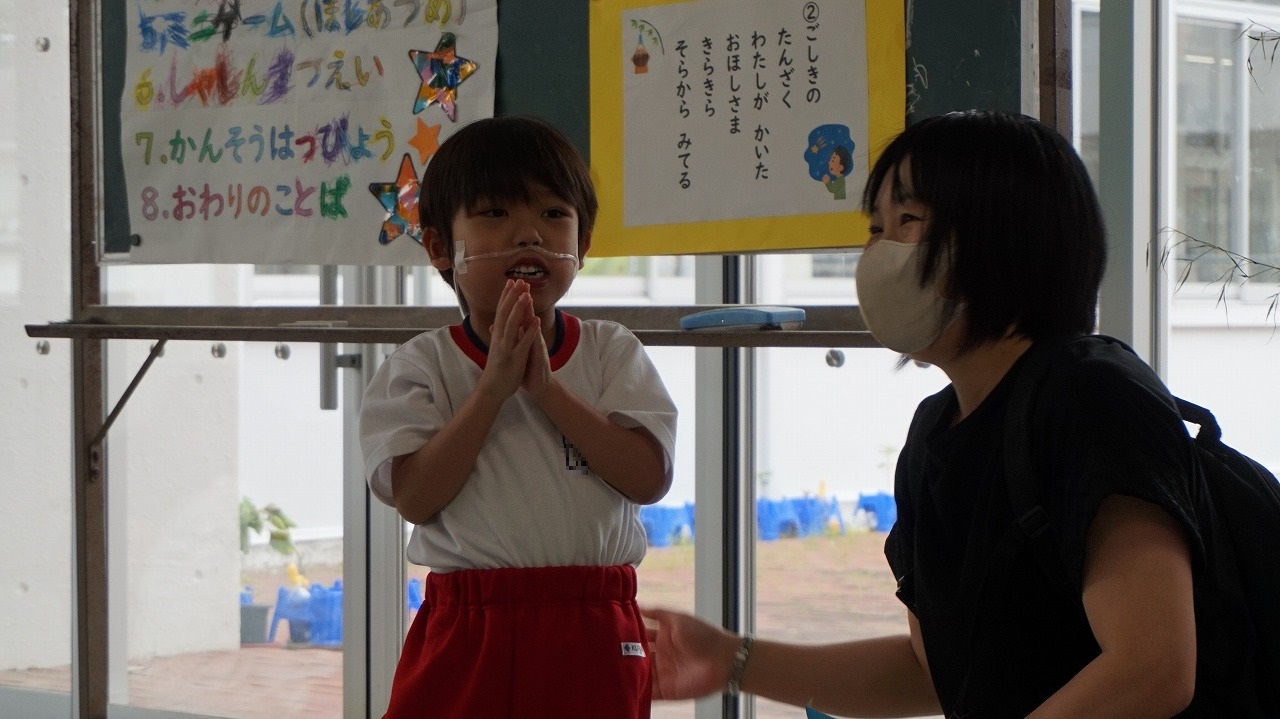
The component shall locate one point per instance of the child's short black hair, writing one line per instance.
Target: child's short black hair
(1014, 221)
(846, 160)
(501, 158)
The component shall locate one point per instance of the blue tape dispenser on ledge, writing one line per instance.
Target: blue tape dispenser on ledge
(744, 318)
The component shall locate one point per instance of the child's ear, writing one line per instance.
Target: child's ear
(436, 249)
(584, 245)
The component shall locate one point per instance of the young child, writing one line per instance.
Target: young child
(520, 444)
(840, 163)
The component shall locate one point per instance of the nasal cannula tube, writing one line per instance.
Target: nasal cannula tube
(460, 258)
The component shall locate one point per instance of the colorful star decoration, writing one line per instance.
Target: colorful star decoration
(441, 71)
(426, 141)
(400, 200)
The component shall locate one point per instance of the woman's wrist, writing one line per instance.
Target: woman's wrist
(738, 666)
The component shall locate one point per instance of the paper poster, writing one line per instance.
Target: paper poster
(722, 126)
(260, 131)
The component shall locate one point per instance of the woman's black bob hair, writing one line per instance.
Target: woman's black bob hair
(1015, 231)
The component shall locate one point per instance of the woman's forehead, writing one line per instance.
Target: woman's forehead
(897, 185)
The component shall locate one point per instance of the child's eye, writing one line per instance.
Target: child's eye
(908, 217)
(875, 230)
(556, 213)
(492, 212)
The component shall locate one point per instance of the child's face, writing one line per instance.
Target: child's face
(492, 226)
(835, 165)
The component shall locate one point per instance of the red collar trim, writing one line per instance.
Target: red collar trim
(570, 332)
(469, 345)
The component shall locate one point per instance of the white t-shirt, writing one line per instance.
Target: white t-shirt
(531, 500)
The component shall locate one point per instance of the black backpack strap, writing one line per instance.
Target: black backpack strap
(1245, 516)
(1030, 518)
(1031, 522)
(1209, 432)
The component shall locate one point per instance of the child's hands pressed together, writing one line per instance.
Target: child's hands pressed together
(512, 336)
(537, 369)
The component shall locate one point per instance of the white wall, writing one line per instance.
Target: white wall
(290, 449)
(837, 428)
(35, 402)
(1234, 370)
(174, 468)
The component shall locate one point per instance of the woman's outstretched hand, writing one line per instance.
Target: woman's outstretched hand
(691, 657)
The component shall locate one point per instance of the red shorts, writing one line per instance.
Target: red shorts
(528, 643)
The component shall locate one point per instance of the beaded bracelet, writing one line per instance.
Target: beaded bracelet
(740, 658)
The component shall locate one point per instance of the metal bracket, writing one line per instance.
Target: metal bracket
(331, 360)
(156, 350)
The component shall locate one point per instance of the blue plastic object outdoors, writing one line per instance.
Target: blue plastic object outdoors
(777, 518)
(319, 609)
(413, 594)
(293, 604)
(794, 517)
(797, 517)
(882, 506)
(816, 513)
(326, 615)
(663, 525)
(744, 318)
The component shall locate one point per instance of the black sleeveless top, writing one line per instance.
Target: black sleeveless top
(1000, 634)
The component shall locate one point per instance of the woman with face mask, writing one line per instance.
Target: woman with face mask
(987, 248)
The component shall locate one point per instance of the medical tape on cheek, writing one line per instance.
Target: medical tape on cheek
(460, 259)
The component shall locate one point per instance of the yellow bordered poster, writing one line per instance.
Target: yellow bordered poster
(723, 126)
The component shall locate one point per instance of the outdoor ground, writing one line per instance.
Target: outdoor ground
(808, 589)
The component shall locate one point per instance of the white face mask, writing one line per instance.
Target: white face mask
(901, 314)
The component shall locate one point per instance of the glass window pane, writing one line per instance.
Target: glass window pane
(1262, 42)
(1207, 137)
(827, 443)
(829, 425)
(1222, 344)
(666, 576)
(1086, 92)
(218, 431)
(666, 280)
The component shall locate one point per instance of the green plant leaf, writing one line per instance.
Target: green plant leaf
(249, 520)
(277, 517)
(249, 516)
(282, 542)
